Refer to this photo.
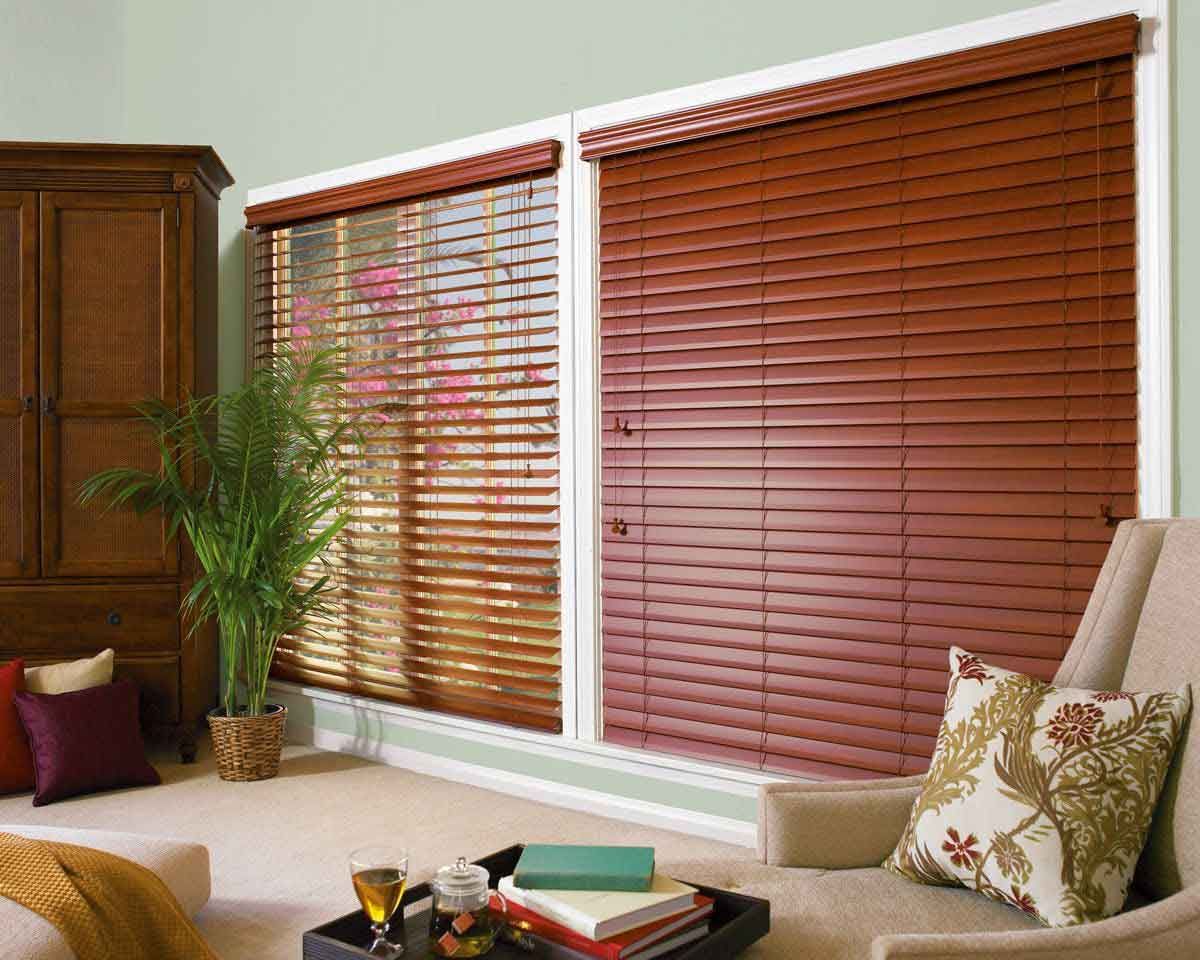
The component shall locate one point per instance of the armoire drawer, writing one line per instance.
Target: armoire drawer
(59, 621)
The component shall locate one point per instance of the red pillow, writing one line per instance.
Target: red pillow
(85, 741)
(16, 762)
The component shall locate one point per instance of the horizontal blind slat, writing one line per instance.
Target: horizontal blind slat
(866, 379)
(444, 582)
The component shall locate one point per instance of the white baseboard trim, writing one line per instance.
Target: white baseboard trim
(546, 791)
(735, 781)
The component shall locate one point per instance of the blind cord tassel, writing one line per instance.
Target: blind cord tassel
(1110, 519)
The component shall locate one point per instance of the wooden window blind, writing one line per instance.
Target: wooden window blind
(444, 304)
(868, 385)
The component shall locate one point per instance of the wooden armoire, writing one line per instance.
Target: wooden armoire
(108, 295)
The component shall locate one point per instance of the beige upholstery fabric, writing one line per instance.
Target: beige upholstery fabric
(836, 914)
(183, 867)
(1166, 930)
(1096, 658)
(1166, 652)
(833, 825)
(1141, 631)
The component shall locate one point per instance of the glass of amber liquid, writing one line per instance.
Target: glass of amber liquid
(380, 874)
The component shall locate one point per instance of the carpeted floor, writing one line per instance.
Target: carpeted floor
(279, 847)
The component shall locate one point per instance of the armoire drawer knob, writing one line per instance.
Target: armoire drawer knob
(114, 618)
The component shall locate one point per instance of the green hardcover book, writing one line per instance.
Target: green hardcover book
(555, 866)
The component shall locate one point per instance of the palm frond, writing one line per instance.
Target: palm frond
(269, 502)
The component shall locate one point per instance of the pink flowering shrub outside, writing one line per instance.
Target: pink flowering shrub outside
(421, 402)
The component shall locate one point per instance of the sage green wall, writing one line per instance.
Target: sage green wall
(61, 70)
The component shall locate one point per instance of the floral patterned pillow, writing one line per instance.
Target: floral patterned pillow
(1039, 796)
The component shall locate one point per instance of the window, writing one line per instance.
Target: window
(440, 287)
(865, 385)
(868, 389)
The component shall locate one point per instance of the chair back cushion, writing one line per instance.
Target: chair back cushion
(1097, 656)
(1165, 654)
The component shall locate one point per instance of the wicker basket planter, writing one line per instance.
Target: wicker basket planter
(248, 748)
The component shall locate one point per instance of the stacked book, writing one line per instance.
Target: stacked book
(604, 902)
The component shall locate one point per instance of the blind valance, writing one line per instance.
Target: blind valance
(454, 174)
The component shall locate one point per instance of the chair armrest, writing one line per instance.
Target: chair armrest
(833, 825)
(1166, 930)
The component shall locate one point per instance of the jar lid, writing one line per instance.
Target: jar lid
(461, 880)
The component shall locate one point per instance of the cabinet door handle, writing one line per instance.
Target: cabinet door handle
(27, 404)
(48, 406)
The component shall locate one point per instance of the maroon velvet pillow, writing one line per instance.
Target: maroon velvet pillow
(85, 741)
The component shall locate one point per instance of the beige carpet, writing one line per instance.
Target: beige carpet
(279, 847)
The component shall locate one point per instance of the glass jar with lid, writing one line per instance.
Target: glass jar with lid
(463, 922)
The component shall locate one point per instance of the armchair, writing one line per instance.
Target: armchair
(1141, 631)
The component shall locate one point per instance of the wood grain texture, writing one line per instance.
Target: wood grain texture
(18, 386)
(109, 166)
(109, 340)
(110, 292)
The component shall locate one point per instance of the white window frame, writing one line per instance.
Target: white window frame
(1154, 278)
(578, 337)
(551, 128)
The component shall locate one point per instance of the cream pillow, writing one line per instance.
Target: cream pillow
(1039, 796)
(72, 675)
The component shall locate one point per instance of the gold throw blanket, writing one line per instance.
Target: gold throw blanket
(106, 907)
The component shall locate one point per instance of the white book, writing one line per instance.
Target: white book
(600, 914)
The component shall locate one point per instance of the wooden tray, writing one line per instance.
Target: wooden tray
(737, 921)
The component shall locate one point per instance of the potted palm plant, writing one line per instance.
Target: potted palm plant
(270, 500)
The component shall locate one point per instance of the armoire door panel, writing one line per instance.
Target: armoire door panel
(109, 339)
(18, 388)
(91, 537)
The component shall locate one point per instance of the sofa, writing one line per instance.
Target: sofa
(1140, 632)
(182, 866)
